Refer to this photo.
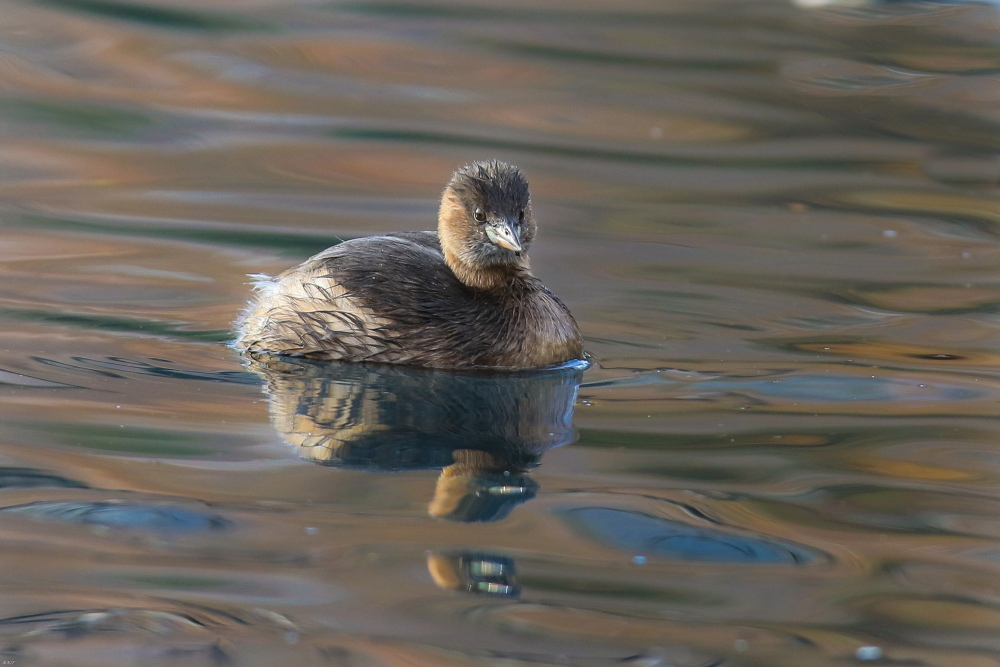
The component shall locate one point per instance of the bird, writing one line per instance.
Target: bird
(456, 298)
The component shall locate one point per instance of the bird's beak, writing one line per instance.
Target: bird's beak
(504, 235)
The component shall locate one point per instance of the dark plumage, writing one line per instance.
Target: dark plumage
(459, 297)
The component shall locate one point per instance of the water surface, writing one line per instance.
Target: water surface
(775, 223)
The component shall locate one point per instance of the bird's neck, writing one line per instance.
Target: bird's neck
(496, 277)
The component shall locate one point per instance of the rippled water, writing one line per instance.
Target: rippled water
(775, 222)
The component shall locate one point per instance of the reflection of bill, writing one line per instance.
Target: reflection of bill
(484, 429)
(474, 573)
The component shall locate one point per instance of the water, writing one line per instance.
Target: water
(775, 222)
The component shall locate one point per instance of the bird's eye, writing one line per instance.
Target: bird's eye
(520, 217)
(480, 215)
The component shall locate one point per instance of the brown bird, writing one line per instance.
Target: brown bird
(460, 297)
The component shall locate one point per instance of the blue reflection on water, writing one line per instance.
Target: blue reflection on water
(650, 536)
(142, 516)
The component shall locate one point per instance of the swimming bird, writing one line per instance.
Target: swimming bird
(460, 297)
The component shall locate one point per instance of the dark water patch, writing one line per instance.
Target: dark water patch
(609, 586)
(662, 442)
(714, 62)
(124, 439)
(28, 478)
(290, 244)
(162, 17)
(481, 142)
(135, 326)
(82, 365)
(641, 153)
(837, 436)
(648, 536)
(115, 366)
(169, 620)
(159, 632)
(888, 355)
(626, 16)
(122, 368)
(77, 118)
(125, 514)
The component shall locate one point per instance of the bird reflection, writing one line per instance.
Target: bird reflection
(485, 430)
(473, 572)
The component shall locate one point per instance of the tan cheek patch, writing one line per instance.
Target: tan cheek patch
(452, 219)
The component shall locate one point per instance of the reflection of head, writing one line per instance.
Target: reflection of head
(487, 574)
(478, 487)
(484, 429)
